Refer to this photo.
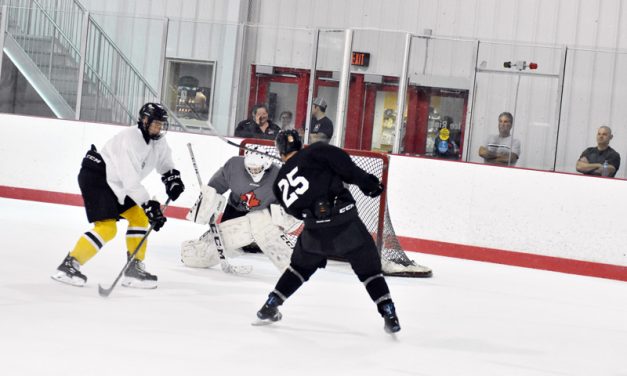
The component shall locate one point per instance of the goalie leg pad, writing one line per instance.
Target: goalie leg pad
(208, 203)
(270, 238)
(236, 233)
(199, 254)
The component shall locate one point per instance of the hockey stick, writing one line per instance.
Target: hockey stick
(215, 133)
(213, 229)
(106, 292)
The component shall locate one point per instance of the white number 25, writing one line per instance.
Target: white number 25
(299, 183)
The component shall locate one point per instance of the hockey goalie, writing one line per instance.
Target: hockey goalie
(251, 215)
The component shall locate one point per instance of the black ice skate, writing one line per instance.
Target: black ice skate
(388, 312)
(136, 276)
(69, 272)
(269, 313)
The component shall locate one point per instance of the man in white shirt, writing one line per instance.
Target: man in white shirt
(110, 183)
(502, 149)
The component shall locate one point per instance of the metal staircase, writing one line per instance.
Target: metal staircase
(56, 45)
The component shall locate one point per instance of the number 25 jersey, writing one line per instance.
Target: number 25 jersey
(317, 173)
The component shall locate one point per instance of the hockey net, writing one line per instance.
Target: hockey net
(373, 212)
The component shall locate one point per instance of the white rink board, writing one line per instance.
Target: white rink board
(511, 209)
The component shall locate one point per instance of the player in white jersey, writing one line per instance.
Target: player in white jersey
(251, 215)
(110, 183)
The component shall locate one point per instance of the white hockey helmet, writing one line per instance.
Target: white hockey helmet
(256, 164)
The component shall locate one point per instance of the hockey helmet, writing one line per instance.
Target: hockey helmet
(256, 164)
(288, 141)
(153, 111)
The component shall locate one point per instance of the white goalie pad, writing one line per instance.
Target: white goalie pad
(285, 221)
(208, 203)
(236, 233)
(199, 254)
(270, 238)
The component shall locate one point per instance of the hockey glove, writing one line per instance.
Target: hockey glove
(155, 216)
(371, 186)
(173, 184)
(377, 191)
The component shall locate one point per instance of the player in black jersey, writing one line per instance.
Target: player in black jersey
(310, 186)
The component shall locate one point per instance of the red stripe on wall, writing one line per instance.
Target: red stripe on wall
(527, 260)
(67, 199)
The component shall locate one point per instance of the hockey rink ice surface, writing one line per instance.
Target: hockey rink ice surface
(471, 318)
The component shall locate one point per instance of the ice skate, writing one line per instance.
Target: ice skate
(269, 313)
(69, 272)
(389, 317)
(136, 276)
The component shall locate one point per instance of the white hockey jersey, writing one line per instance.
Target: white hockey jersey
(129, 160)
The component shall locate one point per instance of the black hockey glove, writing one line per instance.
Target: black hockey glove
(173, 184)
(372, 187)
(155, 216)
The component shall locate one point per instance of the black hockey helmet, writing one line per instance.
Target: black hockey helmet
(288, 141)
(153, 111)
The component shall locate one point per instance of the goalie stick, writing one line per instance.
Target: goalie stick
(106, 292)
(215, 233)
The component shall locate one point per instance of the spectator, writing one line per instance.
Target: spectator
(444, 144)
(321, 125)
(592, 160)
(286, 120)
(502, 149)
(259, 126)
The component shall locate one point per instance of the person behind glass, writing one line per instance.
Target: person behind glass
(286, 120)
(259, 126)
(600, 160)
(502, 149)
(444, 144)
(110, 183)
(321, 125)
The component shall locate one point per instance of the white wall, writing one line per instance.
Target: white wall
(520, 210)
(279, 34)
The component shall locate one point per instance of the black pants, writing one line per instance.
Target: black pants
(351, 241)
(100, 201)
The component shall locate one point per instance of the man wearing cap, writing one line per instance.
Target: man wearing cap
(321, 125)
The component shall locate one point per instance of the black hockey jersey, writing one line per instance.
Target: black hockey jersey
(314, 177)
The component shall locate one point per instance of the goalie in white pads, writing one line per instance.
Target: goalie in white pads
(248, 217)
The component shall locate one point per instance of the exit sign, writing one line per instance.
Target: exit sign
(361, 59)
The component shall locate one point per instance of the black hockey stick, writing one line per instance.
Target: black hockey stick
(215, 133)
(106, 292)
(215, 233)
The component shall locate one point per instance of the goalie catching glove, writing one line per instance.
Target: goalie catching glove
(209, 203)
(173, 184)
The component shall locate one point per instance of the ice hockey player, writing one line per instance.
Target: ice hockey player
(251, 215)
(110, 183)
(310, 186)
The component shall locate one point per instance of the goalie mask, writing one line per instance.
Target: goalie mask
(256, 164)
